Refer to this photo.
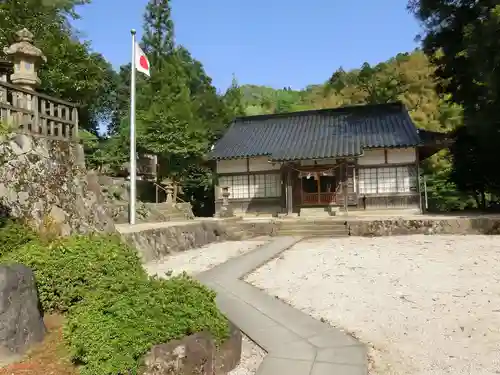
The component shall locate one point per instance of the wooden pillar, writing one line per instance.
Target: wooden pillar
(345, 185)
(318, 185)
(289, 191)
(419, 181)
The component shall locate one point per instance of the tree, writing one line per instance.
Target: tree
(461, 39)
(166, 122)
(233, 99)
(468, 168)
(121, 100)
(158, 39)
(73, 72)
(211, 109)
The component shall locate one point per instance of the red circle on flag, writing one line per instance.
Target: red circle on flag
(143, 62)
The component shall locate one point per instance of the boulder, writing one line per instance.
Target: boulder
(21, 321)
(190, 355)
(229, 352)
(196, 354)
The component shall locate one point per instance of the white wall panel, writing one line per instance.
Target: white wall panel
(371, 157)
(401, 155)
(262, 164)
(232, 166)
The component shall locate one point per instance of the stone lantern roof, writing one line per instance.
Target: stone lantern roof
(24, 46)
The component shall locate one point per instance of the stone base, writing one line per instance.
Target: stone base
(225, 211)
(333, 210)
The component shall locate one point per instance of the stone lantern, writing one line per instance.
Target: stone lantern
(225, 210)
(225, 195)
(169, 188)
(26, 58)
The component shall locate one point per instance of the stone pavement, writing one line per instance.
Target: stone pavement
(296, 344)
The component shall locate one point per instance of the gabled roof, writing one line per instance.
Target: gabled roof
(317, 134)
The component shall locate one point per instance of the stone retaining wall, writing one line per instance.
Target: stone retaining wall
(473, 225)
(153, 244)
(45, 183)
(258, 228)
(386, 227)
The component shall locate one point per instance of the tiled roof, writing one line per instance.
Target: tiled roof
(325, 133)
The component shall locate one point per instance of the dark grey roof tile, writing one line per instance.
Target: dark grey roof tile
(329, 133)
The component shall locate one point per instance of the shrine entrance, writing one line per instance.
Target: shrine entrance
(319, 187)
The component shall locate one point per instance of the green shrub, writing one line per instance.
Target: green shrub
(110, 333)
(14, 234)
(115, 312)
(68, 268)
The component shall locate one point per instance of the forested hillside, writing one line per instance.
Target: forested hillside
(408, 77)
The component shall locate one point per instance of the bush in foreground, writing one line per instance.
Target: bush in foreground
(110, 333)
(67, 269)
(114, 312)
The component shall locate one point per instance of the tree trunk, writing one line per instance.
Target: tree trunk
(483, 200)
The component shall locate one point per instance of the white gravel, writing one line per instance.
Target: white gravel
(201, 259)
(251, 358)
(426, 305)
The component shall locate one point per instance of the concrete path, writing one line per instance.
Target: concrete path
(296, 344)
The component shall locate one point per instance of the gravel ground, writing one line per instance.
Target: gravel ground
(425, 305)
(202, 259)
(251, 358)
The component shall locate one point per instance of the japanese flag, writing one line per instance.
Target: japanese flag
(141, 61)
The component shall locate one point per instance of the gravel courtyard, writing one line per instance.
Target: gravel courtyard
(425, 305)
(201, 259)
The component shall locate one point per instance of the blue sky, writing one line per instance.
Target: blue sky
(276, 43)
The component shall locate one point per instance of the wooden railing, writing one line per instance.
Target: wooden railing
(174, 195)
(37, 114)
(318, 198)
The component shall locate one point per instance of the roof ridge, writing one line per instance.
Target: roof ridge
(396, 106)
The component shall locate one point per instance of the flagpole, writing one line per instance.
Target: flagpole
(132, 136)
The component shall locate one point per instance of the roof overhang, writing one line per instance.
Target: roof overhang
(433, 142)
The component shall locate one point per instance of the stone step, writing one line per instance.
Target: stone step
(311, 228)
(314, 212)
(314, 216)
(172, 214)
(303, 232)
(312, 233)
(313, 225)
